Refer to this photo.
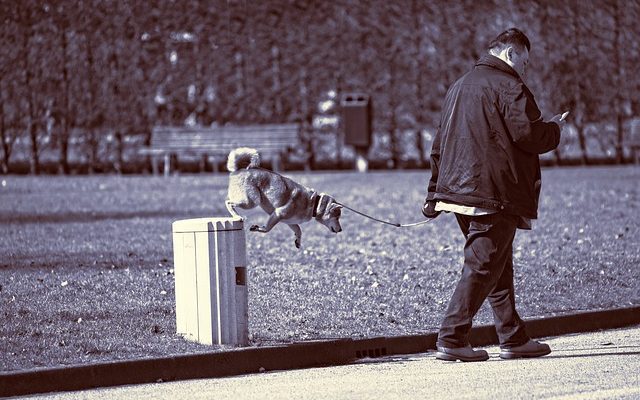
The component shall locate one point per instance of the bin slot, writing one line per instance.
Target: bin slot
(241, 276)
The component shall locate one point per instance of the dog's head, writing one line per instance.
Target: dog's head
(328, 213)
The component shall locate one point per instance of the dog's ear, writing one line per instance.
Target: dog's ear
(336, 209)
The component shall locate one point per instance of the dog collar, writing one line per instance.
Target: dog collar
(316, 203)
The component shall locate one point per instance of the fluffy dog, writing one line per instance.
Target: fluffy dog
(283, 199)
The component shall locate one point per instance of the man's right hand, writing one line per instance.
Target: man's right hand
(429, 209)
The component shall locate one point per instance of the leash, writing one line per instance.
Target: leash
(397, 225)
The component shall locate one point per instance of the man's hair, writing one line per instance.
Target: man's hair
(510, 37)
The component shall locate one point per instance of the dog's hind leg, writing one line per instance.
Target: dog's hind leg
(296, 229)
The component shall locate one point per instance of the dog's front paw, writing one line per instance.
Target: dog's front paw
(254, 228)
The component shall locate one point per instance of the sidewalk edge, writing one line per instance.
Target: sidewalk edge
(285, 357)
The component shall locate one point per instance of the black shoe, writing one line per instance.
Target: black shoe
(527, 350)
(467, 354)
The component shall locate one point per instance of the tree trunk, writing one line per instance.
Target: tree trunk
(34, 162)
(116, 118)
(619, 79)
(393, 106)
(557, 155)
(119, 152)
(306, 119)
(422, 151)
(276, 61)
(582, 140)
(579, 87)
(32, 129)
(64, 134)
(6, 147)
(91, 125)
(419, 85)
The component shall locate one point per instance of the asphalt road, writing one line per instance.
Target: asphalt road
(601, 365)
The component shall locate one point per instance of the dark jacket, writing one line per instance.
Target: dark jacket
(485, 152)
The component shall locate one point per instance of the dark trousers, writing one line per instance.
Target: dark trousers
(487, 273)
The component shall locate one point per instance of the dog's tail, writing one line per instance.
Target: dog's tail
(243, 157)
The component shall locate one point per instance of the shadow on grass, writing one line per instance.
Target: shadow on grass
(74, 217)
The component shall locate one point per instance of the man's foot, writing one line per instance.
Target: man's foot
(467, 354)
(527, 350)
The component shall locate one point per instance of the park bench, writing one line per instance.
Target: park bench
(212, 144)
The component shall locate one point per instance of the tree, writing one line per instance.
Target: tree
(105, 70)
(28, 14)
(92, 118)
(62, 16)
(9, 57)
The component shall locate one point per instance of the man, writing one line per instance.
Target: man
(485, 169)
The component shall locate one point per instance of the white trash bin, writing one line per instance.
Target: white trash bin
(211, 280)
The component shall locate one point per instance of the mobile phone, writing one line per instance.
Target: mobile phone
(564, 115)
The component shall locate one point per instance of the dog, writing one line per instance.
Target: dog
(282, 198)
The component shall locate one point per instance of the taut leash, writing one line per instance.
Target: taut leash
(397, 225)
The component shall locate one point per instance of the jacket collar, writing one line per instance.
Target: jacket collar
(494, 62)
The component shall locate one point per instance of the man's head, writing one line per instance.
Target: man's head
(512, 46)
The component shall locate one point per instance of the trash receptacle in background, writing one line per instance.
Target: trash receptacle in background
(211, 280)
(357, 123)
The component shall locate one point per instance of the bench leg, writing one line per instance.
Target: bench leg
(277, 162)
(202, 167)
(154, 165)
(167, 164)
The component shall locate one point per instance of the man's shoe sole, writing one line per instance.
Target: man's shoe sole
(508, 355)
(450, 357)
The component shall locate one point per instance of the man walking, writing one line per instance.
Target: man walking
(485, 169)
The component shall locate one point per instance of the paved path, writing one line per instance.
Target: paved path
(601, 365)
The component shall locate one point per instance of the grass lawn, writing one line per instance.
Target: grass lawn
(86, 268)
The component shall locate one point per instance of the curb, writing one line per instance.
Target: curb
(285, 357)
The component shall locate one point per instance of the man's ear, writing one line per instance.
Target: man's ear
(509, 53)
(505, 54)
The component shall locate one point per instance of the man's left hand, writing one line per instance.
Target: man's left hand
(429, 209)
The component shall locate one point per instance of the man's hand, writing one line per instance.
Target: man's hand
(560, 119)
(429, 209)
